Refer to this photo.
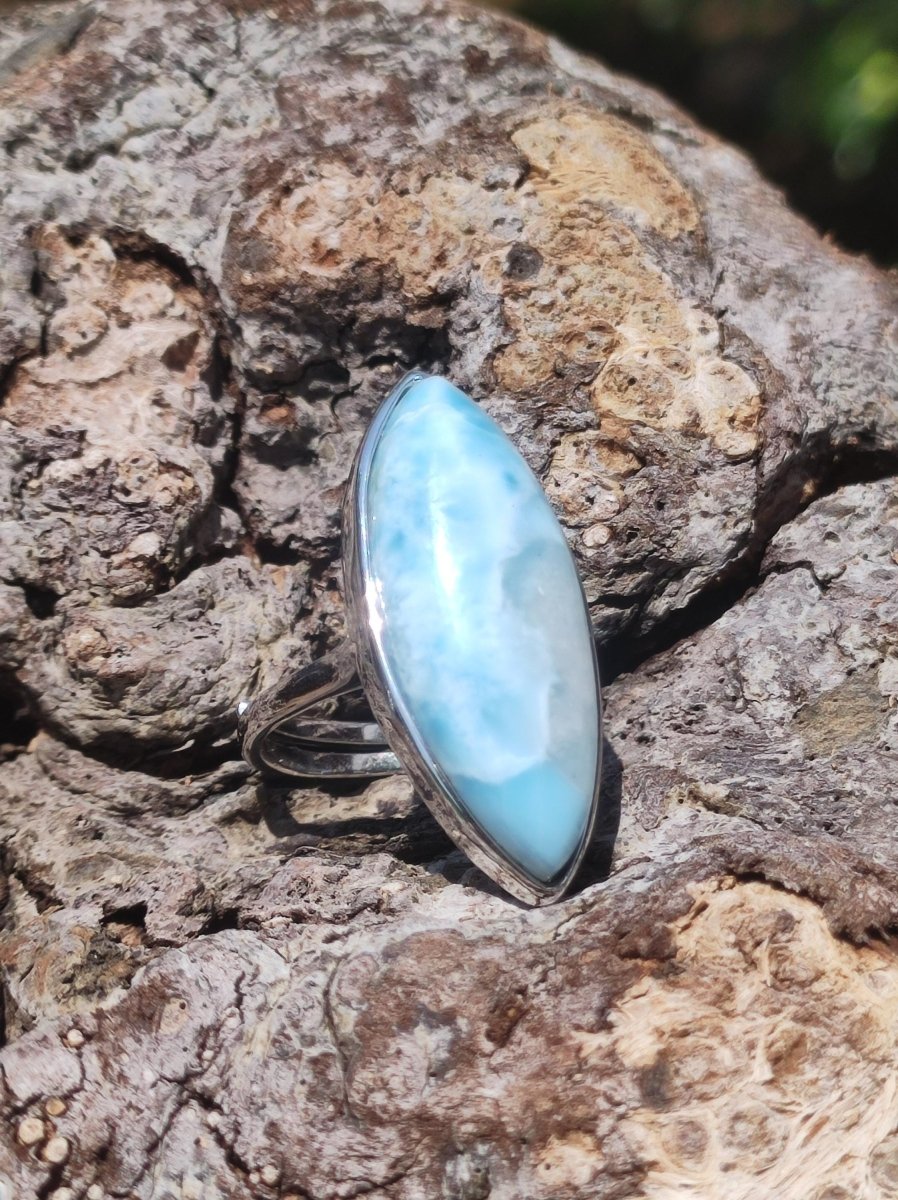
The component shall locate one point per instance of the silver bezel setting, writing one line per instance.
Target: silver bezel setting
(386, 704)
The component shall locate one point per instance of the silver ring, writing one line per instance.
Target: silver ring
(469, 642)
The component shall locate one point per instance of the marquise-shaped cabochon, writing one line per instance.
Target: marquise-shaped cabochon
(483, 629)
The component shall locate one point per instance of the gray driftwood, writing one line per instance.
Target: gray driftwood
(226, 228)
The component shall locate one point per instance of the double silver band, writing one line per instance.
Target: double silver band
(293, 729)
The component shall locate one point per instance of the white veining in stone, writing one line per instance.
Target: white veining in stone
(484, 629)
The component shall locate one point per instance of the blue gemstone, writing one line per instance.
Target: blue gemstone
(482, 625)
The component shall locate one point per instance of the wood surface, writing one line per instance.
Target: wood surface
(226, 228)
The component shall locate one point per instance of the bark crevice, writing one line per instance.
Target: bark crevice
(227, 230)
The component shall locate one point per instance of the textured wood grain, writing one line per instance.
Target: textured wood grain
(225, 230)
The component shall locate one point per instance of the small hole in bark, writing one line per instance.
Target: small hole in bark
(522, 261)
(654, 1084)
(228, 918)
(476, 60)
(130, 914)
(16, 718)
(41, 601)
(322, 379)
(179, 355)
(216, 375)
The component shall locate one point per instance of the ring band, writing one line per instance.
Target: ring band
(469, 642)
(277, 740)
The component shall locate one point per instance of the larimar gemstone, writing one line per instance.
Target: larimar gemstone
(483, 626)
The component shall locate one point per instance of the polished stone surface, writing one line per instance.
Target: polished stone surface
(485, 632)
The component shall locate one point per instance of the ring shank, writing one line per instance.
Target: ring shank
(282, 733)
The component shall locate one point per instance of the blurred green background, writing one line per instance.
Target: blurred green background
(808, 87)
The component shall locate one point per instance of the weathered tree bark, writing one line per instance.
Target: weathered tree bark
(226, 228)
